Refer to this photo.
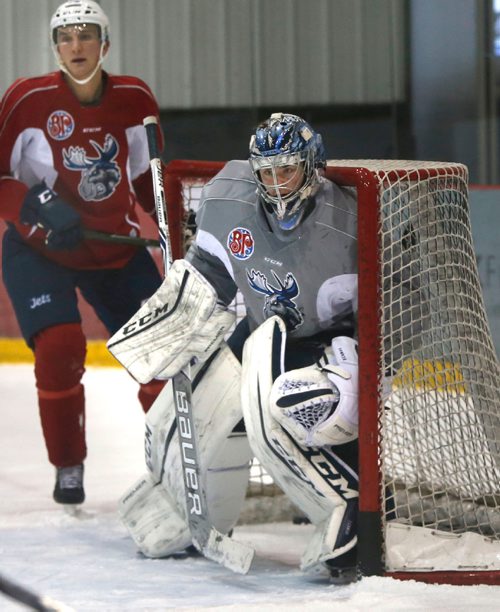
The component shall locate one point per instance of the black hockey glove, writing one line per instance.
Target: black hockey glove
(46, 209)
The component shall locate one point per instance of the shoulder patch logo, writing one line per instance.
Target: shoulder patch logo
(240, 243)
(60, 125)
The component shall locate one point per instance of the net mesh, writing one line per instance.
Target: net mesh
(440, 418)
(437, 373)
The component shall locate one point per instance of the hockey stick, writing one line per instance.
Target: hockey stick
(29, 598)
(90, 234)
(210, 542)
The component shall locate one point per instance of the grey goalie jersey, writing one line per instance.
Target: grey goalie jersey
(308, 275)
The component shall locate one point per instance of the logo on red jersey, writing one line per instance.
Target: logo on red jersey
(60, 125)
(240, 243)
(100, 174)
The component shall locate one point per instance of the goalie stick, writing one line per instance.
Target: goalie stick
(210, 542)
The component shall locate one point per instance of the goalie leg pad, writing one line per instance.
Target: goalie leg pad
(224, 458)
(315, 479)
(152, 520)
(227, 481)
(182, 321)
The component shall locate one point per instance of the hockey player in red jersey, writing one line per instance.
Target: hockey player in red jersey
(73, 156)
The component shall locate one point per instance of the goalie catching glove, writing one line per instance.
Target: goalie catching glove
(180, 322)
(318, 404)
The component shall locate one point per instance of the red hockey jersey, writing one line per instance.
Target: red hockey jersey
(95, 157)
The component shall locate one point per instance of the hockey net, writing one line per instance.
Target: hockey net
(429, 435)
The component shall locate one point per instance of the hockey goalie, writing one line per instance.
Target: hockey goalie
(283, 387)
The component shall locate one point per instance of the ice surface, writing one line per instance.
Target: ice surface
(89, 562)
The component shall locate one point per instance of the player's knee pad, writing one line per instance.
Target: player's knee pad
(315, 479)
(59, 356)
(318, 404)
(224, 454)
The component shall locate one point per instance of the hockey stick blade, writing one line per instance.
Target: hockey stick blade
(228, 552)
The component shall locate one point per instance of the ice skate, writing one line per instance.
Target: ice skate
(69, 485)
(343, 569)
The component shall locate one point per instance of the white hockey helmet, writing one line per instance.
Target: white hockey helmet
(79, 12)
(74, 12)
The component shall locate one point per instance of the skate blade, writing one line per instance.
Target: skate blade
(72, 509)
(344, 576)
(77, 511)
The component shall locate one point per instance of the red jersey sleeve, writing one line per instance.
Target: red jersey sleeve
(12, 190)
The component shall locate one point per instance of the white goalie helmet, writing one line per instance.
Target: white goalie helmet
(79, 12)
(286, 141)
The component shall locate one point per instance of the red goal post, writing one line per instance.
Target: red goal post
(429, 433)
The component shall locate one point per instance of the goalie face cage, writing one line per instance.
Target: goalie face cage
(429, 433)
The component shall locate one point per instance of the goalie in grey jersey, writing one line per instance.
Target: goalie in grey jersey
(284, 388)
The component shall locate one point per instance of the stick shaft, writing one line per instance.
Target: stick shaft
(151, 126)
(29, 598)
(181, 382)
(120, 238)
(211, 543)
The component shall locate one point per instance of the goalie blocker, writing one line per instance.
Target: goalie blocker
(182, 321)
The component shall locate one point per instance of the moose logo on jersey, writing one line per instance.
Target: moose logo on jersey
(240, 243)
(101, 174)
(279, 300)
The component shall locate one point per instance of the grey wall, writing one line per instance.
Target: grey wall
(485, 221)
(233, 53)
(445, 80)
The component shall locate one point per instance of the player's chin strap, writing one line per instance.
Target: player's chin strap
(92, 74)
(314, 479)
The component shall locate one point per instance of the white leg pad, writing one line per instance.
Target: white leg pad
(151, 519)
(227, 481)
(224, 459)
(314, 479)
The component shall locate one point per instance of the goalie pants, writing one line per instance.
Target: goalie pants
(44, 298)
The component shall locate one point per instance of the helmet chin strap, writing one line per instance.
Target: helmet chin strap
(91, 75)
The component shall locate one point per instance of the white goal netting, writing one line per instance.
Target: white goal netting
(439, 408)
